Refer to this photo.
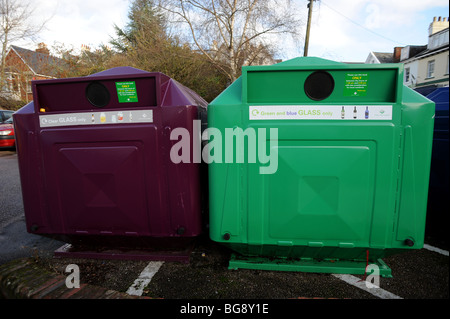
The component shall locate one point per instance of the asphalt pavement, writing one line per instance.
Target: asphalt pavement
(15, 241)
(11, 204)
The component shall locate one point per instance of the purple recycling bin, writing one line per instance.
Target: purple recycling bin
(94, 159)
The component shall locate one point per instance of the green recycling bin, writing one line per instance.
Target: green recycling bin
(318, 166)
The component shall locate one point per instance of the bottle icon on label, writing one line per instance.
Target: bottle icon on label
(120, 116)
(366, 114)
(102, 117)
(342, 113)
(354, 113)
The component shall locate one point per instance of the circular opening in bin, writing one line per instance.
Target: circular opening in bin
(97, 94)
(319, 85)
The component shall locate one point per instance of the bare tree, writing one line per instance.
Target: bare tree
(146, 44)
(225, 30)
(15, 25)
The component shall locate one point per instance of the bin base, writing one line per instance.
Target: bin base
(70, 251)
(300, 265)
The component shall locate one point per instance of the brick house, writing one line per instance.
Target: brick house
(23, 65)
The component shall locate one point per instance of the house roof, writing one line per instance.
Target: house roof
(433, 49)
(384, 57)
(39, 63)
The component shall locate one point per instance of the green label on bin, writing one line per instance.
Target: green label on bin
(356, 84)
(126, 91)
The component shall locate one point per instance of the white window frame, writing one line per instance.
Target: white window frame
(28, 84)
(430, 69)
(448, 64)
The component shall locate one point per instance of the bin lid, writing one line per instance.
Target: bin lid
(120, 87)
(440, 96)
(308, 61)
(121, 70)
(317, 80)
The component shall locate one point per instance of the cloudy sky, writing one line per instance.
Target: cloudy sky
(347, 30)
(341, 30)
(77, 22)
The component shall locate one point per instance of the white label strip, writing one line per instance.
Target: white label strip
(94, 118)
(320, 112)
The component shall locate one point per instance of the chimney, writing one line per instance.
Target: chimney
(42, 48)
(437, 25)
(397, 54)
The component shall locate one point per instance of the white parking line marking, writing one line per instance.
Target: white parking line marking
(436, 250)
(361, 284)
(137, 288)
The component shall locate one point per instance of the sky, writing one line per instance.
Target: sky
(347, 30)
(73, 23)
(341, 30)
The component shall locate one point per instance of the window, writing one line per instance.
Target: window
(407, 75)
(28, 83)
(10, 82)
(448, 62)
(5, 115)
(15, 83)
(430, 69)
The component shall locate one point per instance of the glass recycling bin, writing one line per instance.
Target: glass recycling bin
(321, 166)
(94, 159)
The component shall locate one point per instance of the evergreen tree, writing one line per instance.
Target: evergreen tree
(144, 18)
